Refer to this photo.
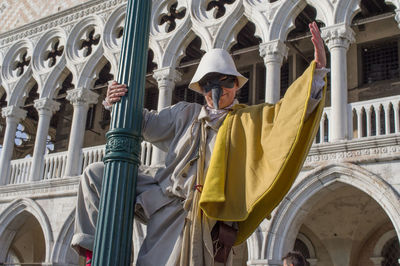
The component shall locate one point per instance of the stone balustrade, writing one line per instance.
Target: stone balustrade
(55, 163)
(378, 117)
(365, 119)
(374, 117)
(19, 170)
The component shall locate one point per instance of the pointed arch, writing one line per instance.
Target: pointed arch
(45, 74)
(61, 249)
(14, 214)
(175, 46)
(283, 21)
(90, 72)
(225, 38)
(21, 90)
(254, 13)
(350, 174)
(325, 10)
(254, 244)
(13, 83)
(345, 11)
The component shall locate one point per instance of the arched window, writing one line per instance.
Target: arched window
(301, 247)
(391, 252)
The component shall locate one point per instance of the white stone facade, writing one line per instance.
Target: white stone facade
(343, 208)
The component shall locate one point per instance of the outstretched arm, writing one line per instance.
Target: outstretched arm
(319, 47)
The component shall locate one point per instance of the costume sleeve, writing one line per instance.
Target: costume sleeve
(158, 128)
(316, 89)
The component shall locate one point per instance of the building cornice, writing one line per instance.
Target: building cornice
(62, 187)
(366, 150)
(62, 18)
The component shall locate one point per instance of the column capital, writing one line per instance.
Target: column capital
(46, 106)
(167, 76)
(82, 96)
(14, 112)
(338, 36)
(273, 51)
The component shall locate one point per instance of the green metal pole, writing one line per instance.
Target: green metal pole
(113, 238)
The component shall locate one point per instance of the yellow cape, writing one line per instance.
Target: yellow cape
(257, 155)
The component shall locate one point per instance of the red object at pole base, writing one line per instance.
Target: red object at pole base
(89, 255)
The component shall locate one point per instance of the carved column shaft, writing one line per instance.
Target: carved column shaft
(273, 53)
(166, 78)
(45, 107)
(338, 39)
(80, 99)
(13, 116)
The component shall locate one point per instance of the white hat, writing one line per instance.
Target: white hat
(216, 60)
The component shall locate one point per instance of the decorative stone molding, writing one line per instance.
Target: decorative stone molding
(112, 38)
(14, 112)
(379, 148)
(338, 36)
(63, 19)
(167, 77)
(82, 96)
(273, 51)
(46, 189)
(86, 34)
(49, 50)
(46, 106)
(19, 53)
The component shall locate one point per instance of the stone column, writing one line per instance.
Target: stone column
(338, 39)
(13, 115)
(166, 78)
(359, 124)
(273, 53)
(45, 107)
(81, 99)
(386, 109)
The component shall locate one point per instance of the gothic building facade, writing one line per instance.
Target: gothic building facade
(56, 60)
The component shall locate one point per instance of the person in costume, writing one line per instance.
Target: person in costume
(227, 165)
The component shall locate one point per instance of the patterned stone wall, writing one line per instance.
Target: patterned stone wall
(16, 13)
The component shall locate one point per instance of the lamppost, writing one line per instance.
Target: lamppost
(113, 238)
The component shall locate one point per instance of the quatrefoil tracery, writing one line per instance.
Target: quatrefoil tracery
(170, 18)
(89, 42)
(23, 62)
(219, 7)
(56, 51)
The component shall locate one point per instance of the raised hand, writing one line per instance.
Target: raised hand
(319, 47)
(114, 92)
